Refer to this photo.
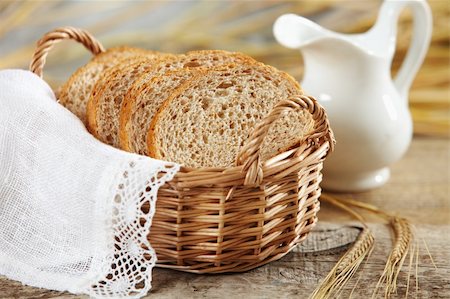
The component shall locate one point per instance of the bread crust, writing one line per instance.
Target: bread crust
(91, 107)
(129, 102)
(105, 85)
(116, 53)
(144, 89)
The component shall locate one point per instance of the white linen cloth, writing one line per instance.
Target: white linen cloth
(74, 212)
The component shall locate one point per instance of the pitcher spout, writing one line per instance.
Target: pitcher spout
(294, 32)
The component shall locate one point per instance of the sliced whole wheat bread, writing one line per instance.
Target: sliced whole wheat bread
(75, 93)
(108, 93)
(148, 92)
(207, 119)
(151, 96)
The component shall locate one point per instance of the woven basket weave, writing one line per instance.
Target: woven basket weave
(214, 220)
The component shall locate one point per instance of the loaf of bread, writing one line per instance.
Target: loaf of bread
(75, 93)
(208, 119)
(196, 109)
(156, 85)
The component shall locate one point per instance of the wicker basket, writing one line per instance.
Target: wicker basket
(214, 220)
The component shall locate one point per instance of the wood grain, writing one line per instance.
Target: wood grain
(418, 189)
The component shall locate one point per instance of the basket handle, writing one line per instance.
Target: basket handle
(249, 155)
(46, 43)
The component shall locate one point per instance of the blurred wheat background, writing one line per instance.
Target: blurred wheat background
(245, 26)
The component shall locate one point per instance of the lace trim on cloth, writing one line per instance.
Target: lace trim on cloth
(130, 259)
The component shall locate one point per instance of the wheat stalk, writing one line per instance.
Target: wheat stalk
(362, 245)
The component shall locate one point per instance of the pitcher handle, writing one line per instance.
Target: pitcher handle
(418, 47)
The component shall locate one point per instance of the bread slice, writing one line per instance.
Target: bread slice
(146, 95)
(151, 96)
(207, 120)
(75, 93)
(107, 95)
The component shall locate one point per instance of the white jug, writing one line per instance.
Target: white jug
(350, 75)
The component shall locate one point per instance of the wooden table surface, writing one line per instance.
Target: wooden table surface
(418, 190)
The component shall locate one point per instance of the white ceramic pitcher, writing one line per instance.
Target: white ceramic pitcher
(350, 74)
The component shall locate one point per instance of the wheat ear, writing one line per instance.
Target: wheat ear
(403, 236)
(350, 262)
(346, 267)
